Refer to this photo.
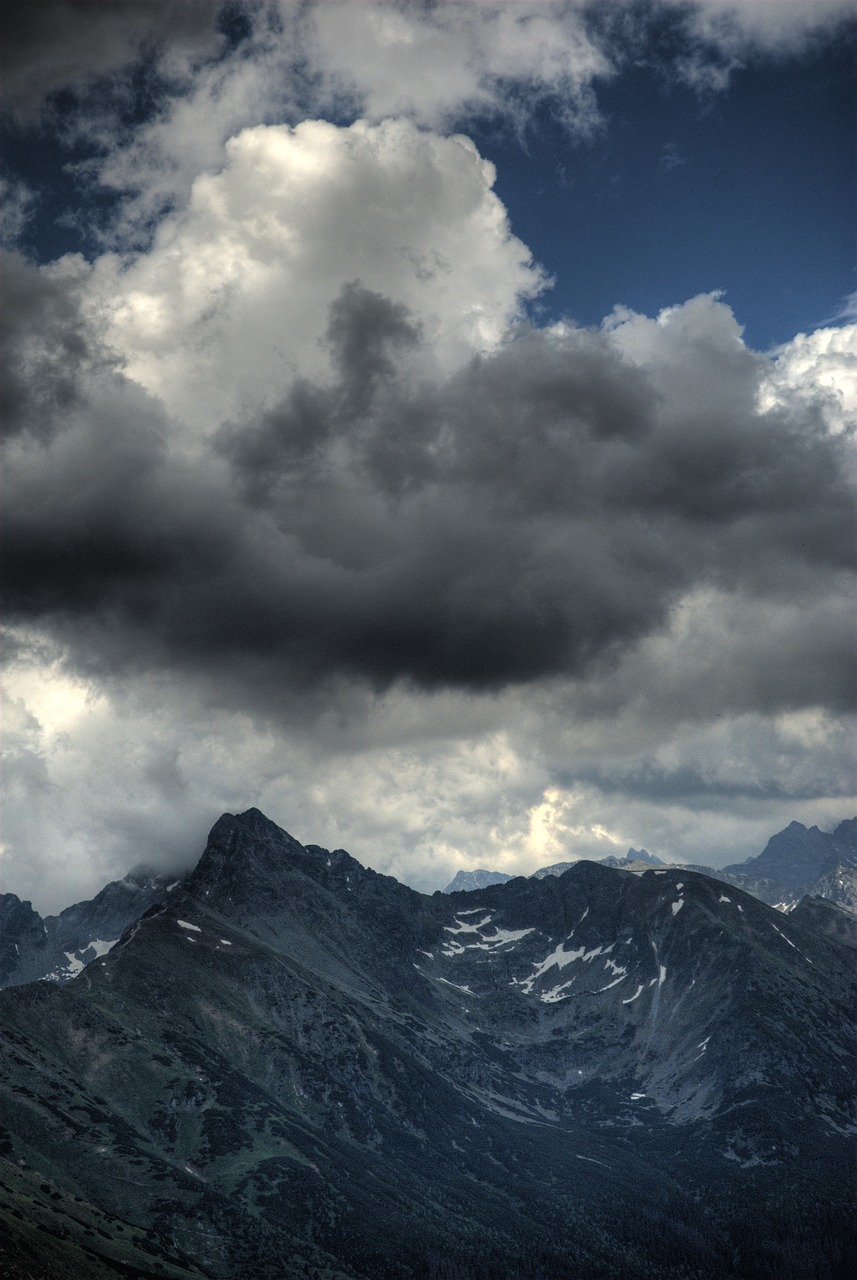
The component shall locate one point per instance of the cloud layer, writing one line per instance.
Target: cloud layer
(304, 509)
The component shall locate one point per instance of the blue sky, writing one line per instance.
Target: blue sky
(677, 189)
(752, 191)
(431, 423)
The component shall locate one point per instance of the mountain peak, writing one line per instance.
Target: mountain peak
(245, 851)
(799, 855)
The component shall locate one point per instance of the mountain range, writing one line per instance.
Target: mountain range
(795, 862)
(58, 947)
(291, 1066)
(464, 881)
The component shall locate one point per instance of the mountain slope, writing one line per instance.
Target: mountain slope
(58, 947)
(294, 1066)
(464, 881)
(798, 856)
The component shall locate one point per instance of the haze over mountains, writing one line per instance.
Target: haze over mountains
(293, 1066)
(796, 861)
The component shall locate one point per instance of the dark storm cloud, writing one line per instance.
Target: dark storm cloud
(365, 334)
(533, 515)
(51, 44)
(43, 349)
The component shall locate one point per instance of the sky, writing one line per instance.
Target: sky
(430, 423)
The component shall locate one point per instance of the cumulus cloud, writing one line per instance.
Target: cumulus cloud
(301, 510)
(820, 366)
(280, 61)
(232, 300)
(532, 512)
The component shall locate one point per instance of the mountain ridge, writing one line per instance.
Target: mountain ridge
(334, 1075)
(795, 862)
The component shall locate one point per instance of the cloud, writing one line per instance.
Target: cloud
(720, 36)
(142, 140)
(534, 512)
(405, 571)
(434, 63)
(820, 367)
(302, 511)
(44, 347)
(16, 208)
(60, 43)
(232, 300)
(783, 28)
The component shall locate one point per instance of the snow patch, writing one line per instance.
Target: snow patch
(559, 957)
(677, 906)
(791, 944)
(451, 984)
(632, 998)
(723, 898)
(614, 983)
(464, 927)
(101, 946)
(556, 993)
(185, 924)
(226, 942)
(662, 973)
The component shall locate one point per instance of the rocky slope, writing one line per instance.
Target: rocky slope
(58, 947)
(295, 1067)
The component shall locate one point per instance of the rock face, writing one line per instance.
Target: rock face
(58, 947)
(828, 918)
(293, 1066)
(798, 856)
(839, 886)
(464, 881)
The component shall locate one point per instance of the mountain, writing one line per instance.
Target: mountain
(826, 917)
(643, 855)
(839, 886)
(292, 1066)
(58, 947)
(634, 860)
(795, 862)
(798, 856)
(464, 881)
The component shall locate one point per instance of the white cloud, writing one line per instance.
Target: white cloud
(723, 35)
(232, 300)
(770, 26)
(820, 365)
(435, 63)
